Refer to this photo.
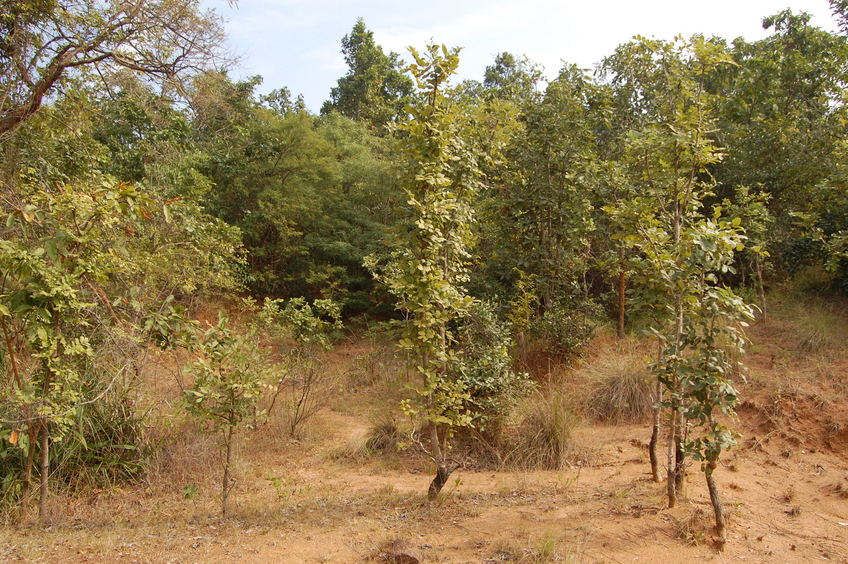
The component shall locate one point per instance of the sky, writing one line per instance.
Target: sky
(297, 43)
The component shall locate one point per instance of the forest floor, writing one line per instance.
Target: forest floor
(785, 488)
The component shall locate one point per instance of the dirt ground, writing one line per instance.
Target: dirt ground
(785, 488)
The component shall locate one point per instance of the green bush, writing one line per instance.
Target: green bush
(568, 325)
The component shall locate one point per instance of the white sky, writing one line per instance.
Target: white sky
(297, 43)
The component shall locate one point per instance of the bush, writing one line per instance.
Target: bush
(485, 366)
(107, 445)
(568, 325)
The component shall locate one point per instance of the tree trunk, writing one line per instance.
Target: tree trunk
(622, 283)
(45, 472)
(679, 466)
(761, 289)
(655, 435)
(718, 509)
(671, 481)
(26, 490)
(439, 481)
(443, 472)
(225, 486)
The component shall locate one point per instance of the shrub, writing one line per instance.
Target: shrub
(568, 325)
(485, 366)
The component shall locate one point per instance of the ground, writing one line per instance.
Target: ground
(313, 500)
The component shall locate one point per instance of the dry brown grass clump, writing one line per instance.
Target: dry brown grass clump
(542, 436)
(692, 529)
(620, 388)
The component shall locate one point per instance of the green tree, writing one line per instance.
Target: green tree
(429, 268)
(544, 199)
(374, 89)
(683, 254)
(228, 378)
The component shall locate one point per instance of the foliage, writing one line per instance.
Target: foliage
(484, 366)
(374, 89)
(567, 326)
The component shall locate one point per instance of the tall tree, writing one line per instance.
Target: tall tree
(429, 269)
(374, 88)
(43, 41)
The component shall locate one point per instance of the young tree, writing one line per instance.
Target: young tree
(428, 270)
(228, 378)
(682, 254)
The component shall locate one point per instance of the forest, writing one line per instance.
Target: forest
(604, 307)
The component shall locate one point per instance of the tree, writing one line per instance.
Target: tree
(228, 378)
(374, 88)
(543, 200)
(44, 41)
(781, 112)
(53, 269)
(512, 78)
(683, 254)
(428, 269)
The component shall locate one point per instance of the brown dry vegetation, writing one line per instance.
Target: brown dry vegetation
(343, 489)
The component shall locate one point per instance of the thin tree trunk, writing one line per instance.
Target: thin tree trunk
(655, 435)
(621, 302)
(225, 486)
(718, 508)
(761, 288)
(26, 490)
(675, 410)
(45, 472)
(679, 465)
(671, 482)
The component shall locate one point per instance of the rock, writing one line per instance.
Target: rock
(401, 552)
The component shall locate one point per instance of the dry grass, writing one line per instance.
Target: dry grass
(620, 388)
(692, 529)
(542, 437)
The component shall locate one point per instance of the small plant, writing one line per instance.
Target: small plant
(384, 436)
(189, 491)
(228, 380)
(840, 487)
